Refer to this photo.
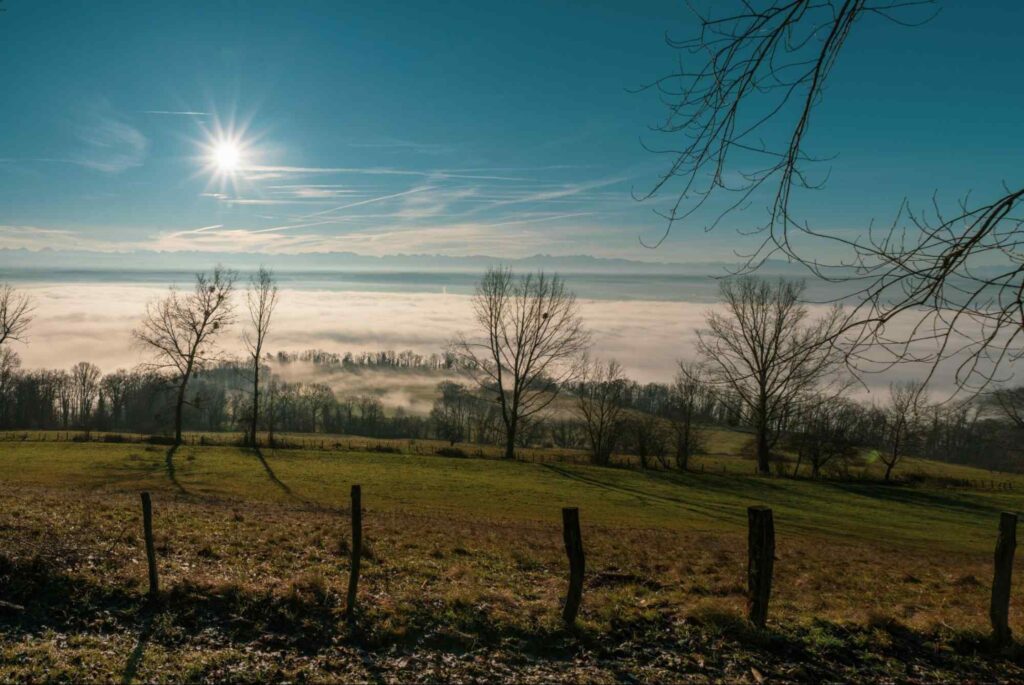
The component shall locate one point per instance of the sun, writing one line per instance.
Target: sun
(226, 156)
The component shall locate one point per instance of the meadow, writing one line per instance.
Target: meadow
(466, 568)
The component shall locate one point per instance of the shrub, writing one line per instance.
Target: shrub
(451, 452)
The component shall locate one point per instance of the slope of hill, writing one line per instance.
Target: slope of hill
(466, 569)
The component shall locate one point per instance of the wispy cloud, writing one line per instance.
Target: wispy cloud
(108, 142)
(40, 238)
(260, 170)
(184, 113)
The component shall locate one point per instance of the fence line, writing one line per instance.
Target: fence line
(760, 564)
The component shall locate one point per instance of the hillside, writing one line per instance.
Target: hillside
(467, 569)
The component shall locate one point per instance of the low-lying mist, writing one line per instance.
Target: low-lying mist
(93, 322)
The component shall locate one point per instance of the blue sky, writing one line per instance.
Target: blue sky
(454, 128)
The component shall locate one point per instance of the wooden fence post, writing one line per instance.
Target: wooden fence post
(147, 530)
(574, 549)
(999, 610)
(357, 550)
(760, 563)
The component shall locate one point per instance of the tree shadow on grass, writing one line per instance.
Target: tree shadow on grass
(956, 502)
(171, 472)
(710, 511)
(273, 476)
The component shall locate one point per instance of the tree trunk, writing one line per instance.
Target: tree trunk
(510, 439)
(255, 402)
(179, 406)
(763, 451)
(895, 456)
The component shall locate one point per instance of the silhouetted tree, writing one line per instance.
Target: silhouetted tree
(261, 299)
(85, 381)
(450, 412)
(903, 414)
(740, 106)
(1009, 403)
(823, 432)
(599, 398)
(687, 402)
(180, 331)
(763, 353)
(15, 314)
(533, 337)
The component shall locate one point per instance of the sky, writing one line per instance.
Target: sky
(493, 128)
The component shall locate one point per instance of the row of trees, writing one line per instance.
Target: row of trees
(764, 363)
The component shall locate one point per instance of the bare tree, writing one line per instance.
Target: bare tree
(85, 381)
(764, 354)
(941, 289)
(532, 339)
(906, 401)
(181, 330)
(823, 432)
(1009, 402)
(450, 412)
(649, 437)
(599, 403)
(688, 396)
(15, 314)
(261, 299)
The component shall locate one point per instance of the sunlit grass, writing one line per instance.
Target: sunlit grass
(468, 552)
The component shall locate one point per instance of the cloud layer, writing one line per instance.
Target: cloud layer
(93, 322)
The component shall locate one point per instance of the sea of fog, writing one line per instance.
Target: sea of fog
(647, 322)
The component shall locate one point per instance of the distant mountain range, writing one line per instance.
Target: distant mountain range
(83, 260)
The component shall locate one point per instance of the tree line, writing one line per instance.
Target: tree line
(525, 377)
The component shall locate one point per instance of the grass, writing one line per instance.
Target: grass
(466, 569)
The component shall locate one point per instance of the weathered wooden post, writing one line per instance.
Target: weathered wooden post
(357, 550)
(999, 610)
(760, 563)
(147, 530)
(577, 565)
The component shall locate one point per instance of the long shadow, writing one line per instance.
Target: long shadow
(171, 473)
(273, 476)
(131, 667)
(960, 503)
(714, 512)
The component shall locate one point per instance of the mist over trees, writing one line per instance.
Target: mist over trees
(764, 364)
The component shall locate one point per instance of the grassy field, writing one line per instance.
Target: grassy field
(467, 568)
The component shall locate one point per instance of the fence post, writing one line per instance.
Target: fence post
(574, 549)
(760, 563)
(147, 530)
(999, 610)
(357, 550)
